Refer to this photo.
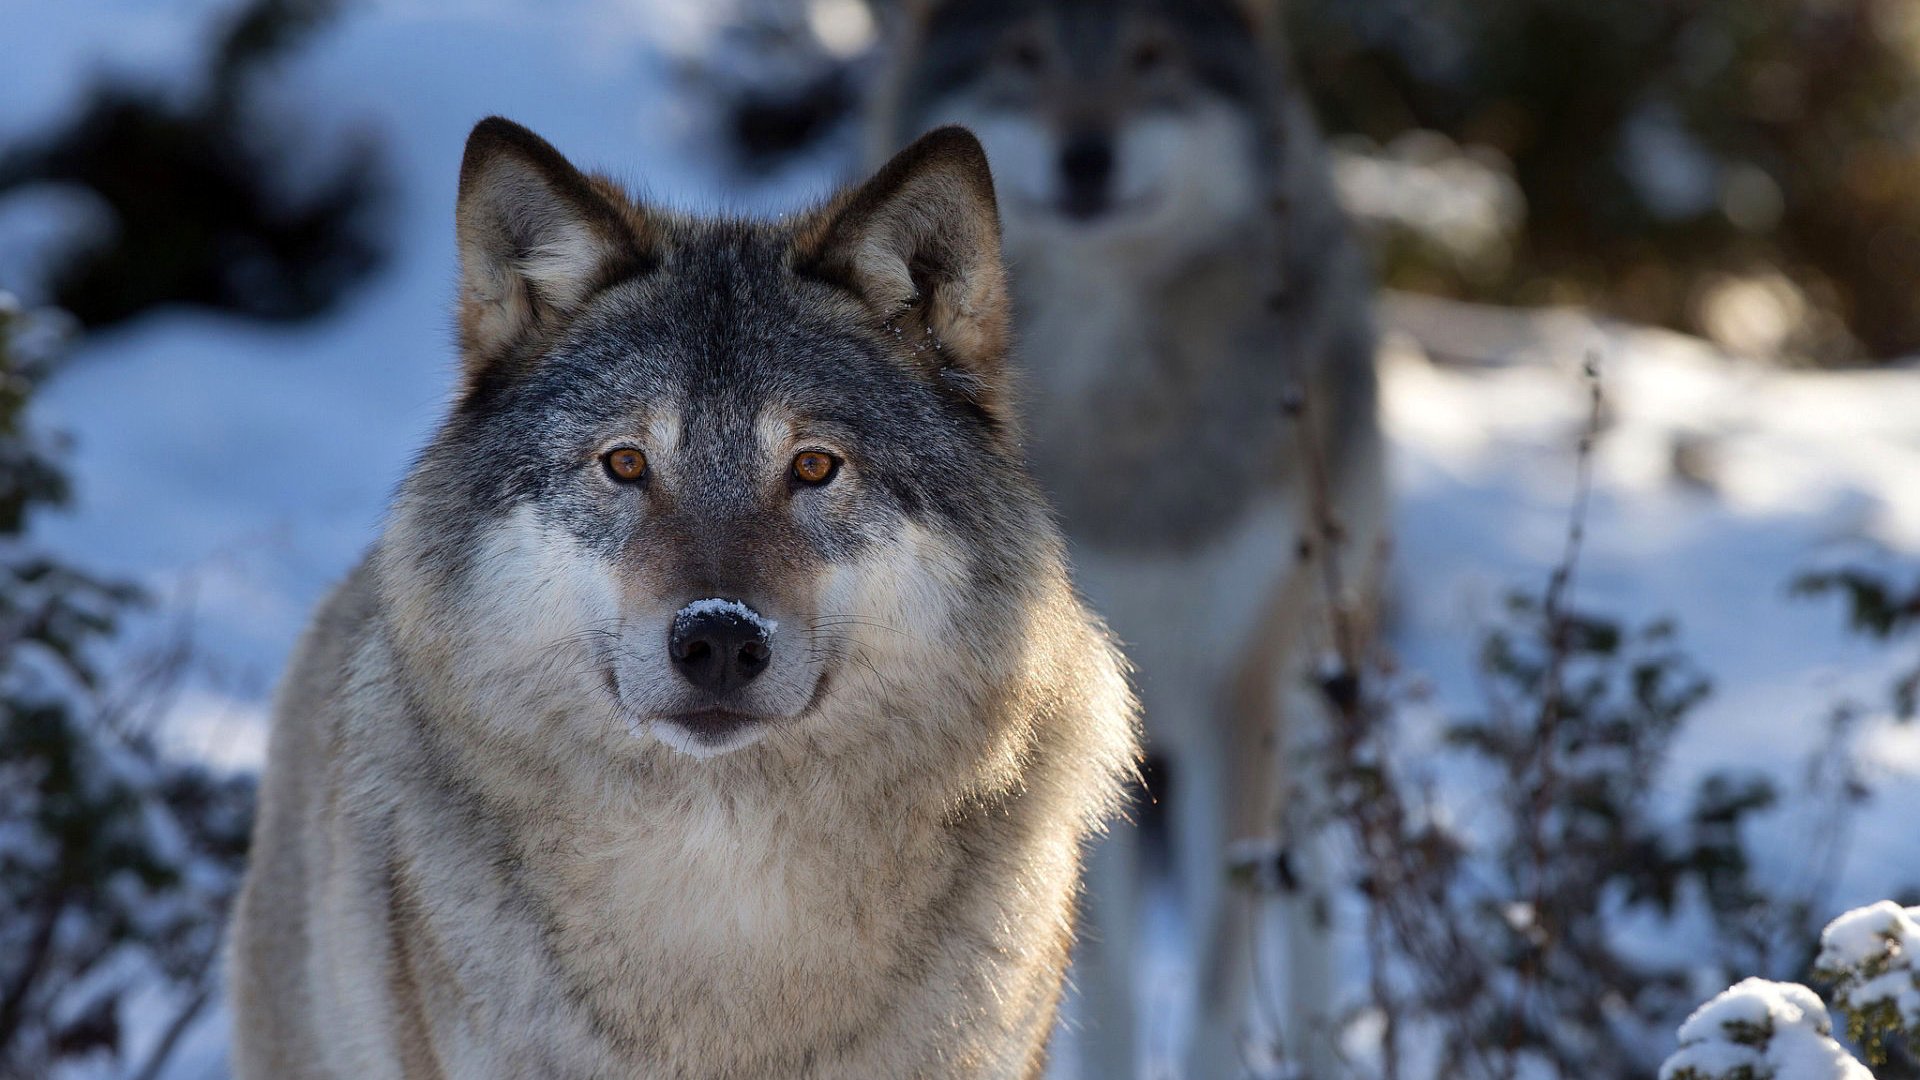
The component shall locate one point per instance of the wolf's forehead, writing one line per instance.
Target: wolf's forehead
(688, 376)
(1089, 24)
(745, 427)
(715, 319)
(722, 334)
(1092, 37)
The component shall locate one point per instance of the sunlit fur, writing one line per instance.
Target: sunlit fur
(491, 845)
(1162, 326)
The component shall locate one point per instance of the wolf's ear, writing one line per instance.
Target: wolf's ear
(537, 237)
(919, 245)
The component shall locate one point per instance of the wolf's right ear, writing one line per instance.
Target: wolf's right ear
(919, 246)
(537, 237)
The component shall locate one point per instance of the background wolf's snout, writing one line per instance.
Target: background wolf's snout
(1086, 166)
(719, 645)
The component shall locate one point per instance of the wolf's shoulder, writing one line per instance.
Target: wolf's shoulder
(338, 624)
(323, 657)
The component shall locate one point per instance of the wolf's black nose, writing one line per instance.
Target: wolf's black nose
(1086, 166)
(719, 645)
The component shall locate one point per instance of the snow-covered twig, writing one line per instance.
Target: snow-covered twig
(1760, 1030)
(1868, 956)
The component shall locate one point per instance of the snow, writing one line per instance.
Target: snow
(1868, 953)
(1467, 205)
(239, 469)
(1869, 934)
(1758, 1004)
(1716, 482)
(729, 607)
(1770, 1029)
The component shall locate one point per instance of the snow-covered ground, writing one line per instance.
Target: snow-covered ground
(1716, 482)
(240, 468)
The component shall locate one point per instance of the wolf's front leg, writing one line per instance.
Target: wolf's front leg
(1219, 917)
(1105, 958)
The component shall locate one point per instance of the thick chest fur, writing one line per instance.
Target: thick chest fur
(745, 917)
(1160, 432)
(1187, 616)
(743, 935)
(1155, 404)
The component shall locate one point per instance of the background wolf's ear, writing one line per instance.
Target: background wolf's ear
(919, 244)
(537, 237)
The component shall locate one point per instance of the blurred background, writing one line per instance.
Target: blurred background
(226, 255)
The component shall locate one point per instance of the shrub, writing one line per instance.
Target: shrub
(116, 863)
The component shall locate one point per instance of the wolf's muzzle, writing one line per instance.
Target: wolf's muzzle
(1086, 174)
(719, 645)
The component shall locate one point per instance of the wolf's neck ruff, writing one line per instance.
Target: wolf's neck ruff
(715, 702)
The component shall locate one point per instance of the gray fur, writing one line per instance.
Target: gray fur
(1161, 341)
(488, 847)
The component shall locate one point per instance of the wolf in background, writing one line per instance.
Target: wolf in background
(715, 702)
(1182, 276)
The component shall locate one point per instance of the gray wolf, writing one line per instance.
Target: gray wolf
(715, 702)
(1181, 272)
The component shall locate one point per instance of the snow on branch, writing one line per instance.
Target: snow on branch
(1761, 1030)
(1868, 956)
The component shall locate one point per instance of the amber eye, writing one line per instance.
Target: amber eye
(625, 464)
(814, 467)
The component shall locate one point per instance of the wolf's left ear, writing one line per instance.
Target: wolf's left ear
(537, 237)
(919, 245)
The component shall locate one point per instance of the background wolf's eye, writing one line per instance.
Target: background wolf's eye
(625, 464)
(1025, 56)
(1148, 56)
(814, 467)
